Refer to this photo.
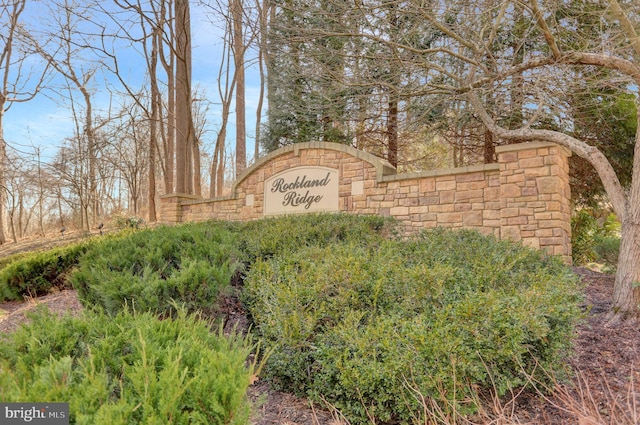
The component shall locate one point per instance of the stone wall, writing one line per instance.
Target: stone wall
(524, 196)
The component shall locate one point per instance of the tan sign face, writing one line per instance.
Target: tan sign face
(301, 190)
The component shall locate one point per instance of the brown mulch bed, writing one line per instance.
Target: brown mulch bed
(607, 358)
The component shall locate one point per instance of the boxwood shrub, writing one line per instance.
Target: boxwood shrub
(445, 315)
(271, 236)
(129, 368)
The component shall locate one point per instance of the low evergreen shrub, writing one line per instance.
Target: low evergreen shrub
(594, 240)
(445, 315)
(150, 269)
(286, 234)
(38, 273)
(129, 369)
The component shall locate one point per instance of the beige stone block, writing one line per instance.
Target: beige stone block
(472, 218)
(474, 185)
(527, 153)
(418, 210)
(512, 166)
(351, 166)
(530, 192)
(468, 194)
(442, 208)
(428, 200)
(548, 185)
(470, 177)
(349, 174)
(551, 241)
(461, 207)
(491, 214)
(491, 193)
(407, 202)
(512, 221)
(510, 212)
(399, 211)
(510, 191)
(537, 172)
(554, 206)
(533, 162)
(547, 224)
(447, 197)
(543, 151)
(446, 185)
(507, 157)
(494, 205)
(449, 217)
(427, 185)
(515, 178)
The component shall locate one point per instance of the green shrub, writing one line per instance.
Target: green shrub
(449, 314)
(149, 269)
(129, 368)
(593, 241)
(279, 235)
(37, 273)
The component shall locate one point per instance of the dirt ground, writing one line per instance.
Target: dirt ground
(607, 359)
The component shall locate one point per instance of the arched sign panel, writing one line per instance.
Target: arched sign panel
(301, 190)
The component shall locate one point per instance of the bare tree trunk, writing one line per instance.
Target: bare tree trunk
(3, 196)
(93, 203)
(183, 95)
(226, 87)
(220, 171)
(489, 147)
(392, 132)
(156, 104)
(197, 167)
(238, 55)
(626, 289)
(153, 143)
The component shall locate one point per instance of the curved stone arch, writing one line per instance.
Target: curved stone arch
(383, 167)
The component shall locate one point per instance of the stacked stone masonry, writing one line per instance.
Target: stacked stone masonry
(525, 196)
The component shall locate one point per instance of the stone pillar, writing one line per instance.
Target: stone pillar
(171, 207)
(535, 198)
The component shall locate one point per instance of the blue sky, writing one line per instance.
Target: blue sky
(44, 122)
